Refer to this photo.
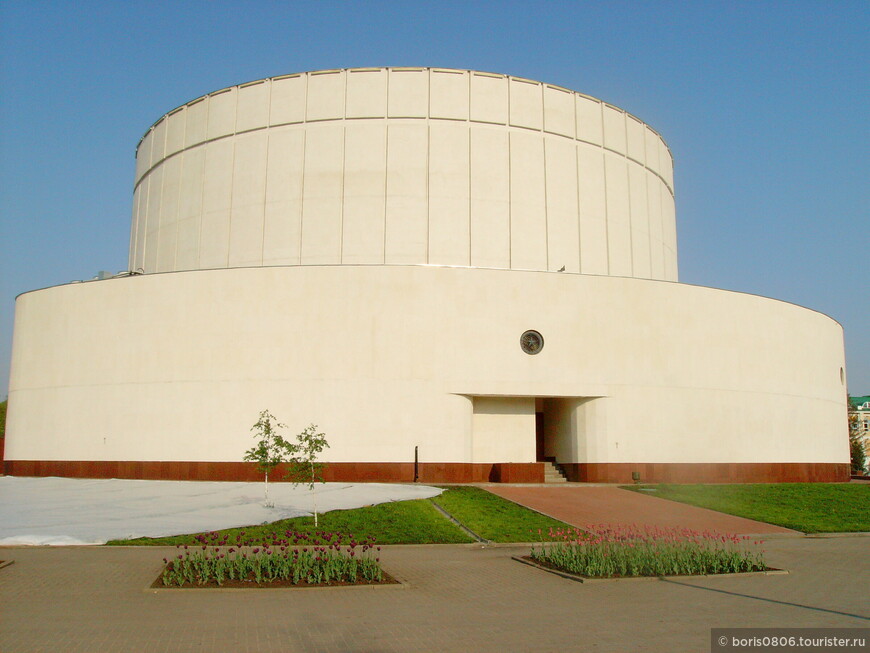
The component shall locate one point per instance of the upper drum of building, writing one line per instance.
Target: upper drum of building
(404, 166)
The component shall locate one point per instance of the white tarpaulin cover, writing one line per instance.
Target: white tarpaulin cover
(65, 511)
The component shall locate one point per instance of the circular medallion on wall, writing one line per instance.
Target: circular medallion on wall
(532, 342)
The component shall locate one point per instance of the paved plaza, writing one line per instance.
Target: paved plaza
(457, 598)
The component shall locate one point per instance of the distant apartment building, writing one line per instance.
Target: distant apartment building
(859, 418)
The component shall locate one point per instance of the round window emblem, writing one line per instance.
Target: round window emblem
(532, 342)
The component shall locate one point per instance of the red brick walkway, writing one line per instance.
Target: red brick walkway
(582, 505)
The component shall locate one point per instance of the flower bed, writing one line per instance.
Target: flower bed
(297, 559)
(626, 551)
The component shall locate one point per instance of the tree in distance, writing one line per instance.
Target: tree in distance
(303, 467)
(300, 457)
(271, 450)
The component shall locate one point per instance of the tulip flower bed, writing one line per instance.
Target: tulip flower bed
(297, 559)
(626, 551)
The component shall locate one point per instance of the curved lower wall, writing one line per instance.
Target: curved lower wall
(161, 376)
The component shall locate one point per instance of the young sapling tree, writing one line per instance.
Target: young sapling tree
(303, 467)
(271, 450)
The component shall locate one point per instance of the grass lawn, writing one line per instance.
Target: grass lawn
(405, 522)
(494, 518)
(400, 522)
(806, 507)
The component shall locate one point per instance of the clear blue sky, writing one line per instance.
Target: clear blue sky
(764, 105)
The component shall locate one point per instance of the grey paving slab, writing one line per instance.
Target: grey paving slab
(459, 598)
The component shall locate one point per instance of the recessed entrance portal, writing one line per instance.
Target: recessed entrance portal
(562, 430)
(568, 429)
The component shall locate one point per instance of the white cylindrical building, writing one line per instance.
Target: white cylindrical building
(404, 166)
(478, 267)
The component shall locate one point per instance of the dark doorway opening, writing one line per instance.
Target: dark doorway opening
(540, 449)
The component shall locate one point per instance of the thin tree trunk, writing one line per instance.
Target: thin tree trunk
(266, 500)
(313, 495)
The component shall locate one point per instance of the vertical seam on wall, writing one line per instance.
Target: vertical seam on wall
(387, 74)
(428, 156)
(143, 221)
(468, 132)
(604, 177)
(630, 215)
(202, 188)
(661, 235)
(268, 135)
(343, 75)
(230, 216)
(160, 204)
(652, 248)
(546, 197)
(628, 186)
(305, 105)
(510, 202)
(156, 240)
(648, 228)
(341, 191)
(178, 217)
(665, 264)
(306, 76)
(676, 276)
(302, 189)
(646, 200)
(672, 228)
(134, 231)
(546, 206)
(172, 218)
(577, 217)
(233, 177)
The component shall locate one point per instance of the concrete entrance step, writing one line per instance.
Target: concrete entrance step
(553, 473)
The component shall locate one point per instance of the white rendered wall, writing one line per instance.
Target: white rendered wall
(404, 166)
(500, 429)
(383, 358)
